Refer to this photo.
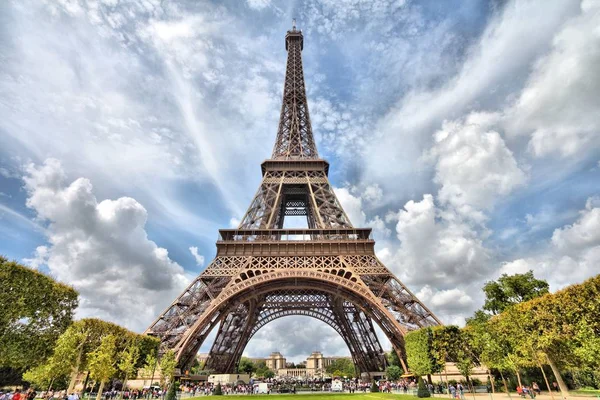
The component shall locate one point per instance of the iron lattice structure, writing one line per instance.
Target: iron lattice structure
(263, 272)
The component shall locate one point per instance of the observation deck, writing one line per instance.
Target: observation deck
(292, 242)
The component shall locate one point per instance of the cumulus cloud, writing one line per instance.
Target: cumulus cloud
(353, 204)
(437, 247)
(101, 248)
(473, 166)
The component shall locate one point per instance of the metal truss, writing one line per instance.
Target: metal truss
(294, 136)
(262, 272)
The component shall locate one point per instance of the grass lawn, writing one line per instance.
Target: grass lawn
(586, 392)
(319, 396)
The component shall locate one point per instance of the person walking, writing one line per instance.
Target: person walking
(461, 390)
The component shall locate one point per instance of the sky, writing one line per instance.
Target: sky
(465, 133)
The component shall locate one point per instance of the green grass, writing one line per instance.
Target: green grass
(586, 392)
(319, 396)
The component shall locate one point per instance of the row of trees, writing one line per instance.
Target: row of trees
(520, 326)
(258, 369)
(342, 367)
(40, 343)
(104, 351)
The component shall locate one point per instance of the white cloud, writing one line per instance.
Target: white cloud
(258, 4)
(472, 163)
(493, 68)
(353, 206)
(102, 249)
(199, 259)
(295, 337)
(571, 255)
(559, 105)
(445, 300)
(437, 247)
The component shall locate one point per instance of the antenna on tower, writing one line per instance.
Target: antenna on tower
(294, 24)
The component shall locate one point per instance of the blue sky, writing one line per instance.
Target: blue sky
(465, 133)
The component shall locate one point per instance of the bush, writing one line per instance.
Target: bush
(218, 391)
(374, 387)
(422, 390)
(172, 392)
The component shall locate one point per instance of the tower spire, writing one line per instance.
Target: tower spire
(294, 135)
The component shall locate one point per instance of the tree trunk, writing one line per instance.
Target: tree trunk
(546, 380)
(505, 385)
(429, 379)
(75, 370)
(100, 389)
(447, 382)
(85, 383)
(123, 386)
(564, 390)
(470, 386)
(50, 385)
(518, 377)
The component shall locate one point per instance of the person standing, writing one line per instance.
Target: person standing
(17, 395)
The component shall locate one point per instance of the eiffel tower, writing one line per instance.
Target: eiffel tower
(263, 272)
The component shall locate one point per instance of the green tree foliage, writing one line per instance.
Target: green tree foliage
(560, 329)
(168, 363)
(35, 311)
(128, 361)
(374, 387)
(172, 392)
(393, 372)
(392, 358)
(343, 366)
(512, 289)
(269, 374)
(149, 367)
(422, 390)
(246, 366)
(218, 390)
(102, 362)
(74, 347)
(420, 353)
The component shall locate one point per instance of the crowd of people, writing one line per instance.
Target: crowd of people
(405, 386)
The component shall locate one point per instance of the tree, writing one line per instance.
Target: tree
(35, 311)
(512, 289)
(128, 361)
(246, 366)
(419, 352)
(374, 387)
(343, 366)
(102, 362)
(218, 390)
(269, 374)
(422, 390)
(149, 367)
(59, 365)
(73, 348)
(392, 358)
(393, 372)
(172, 392)
(168, 363)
